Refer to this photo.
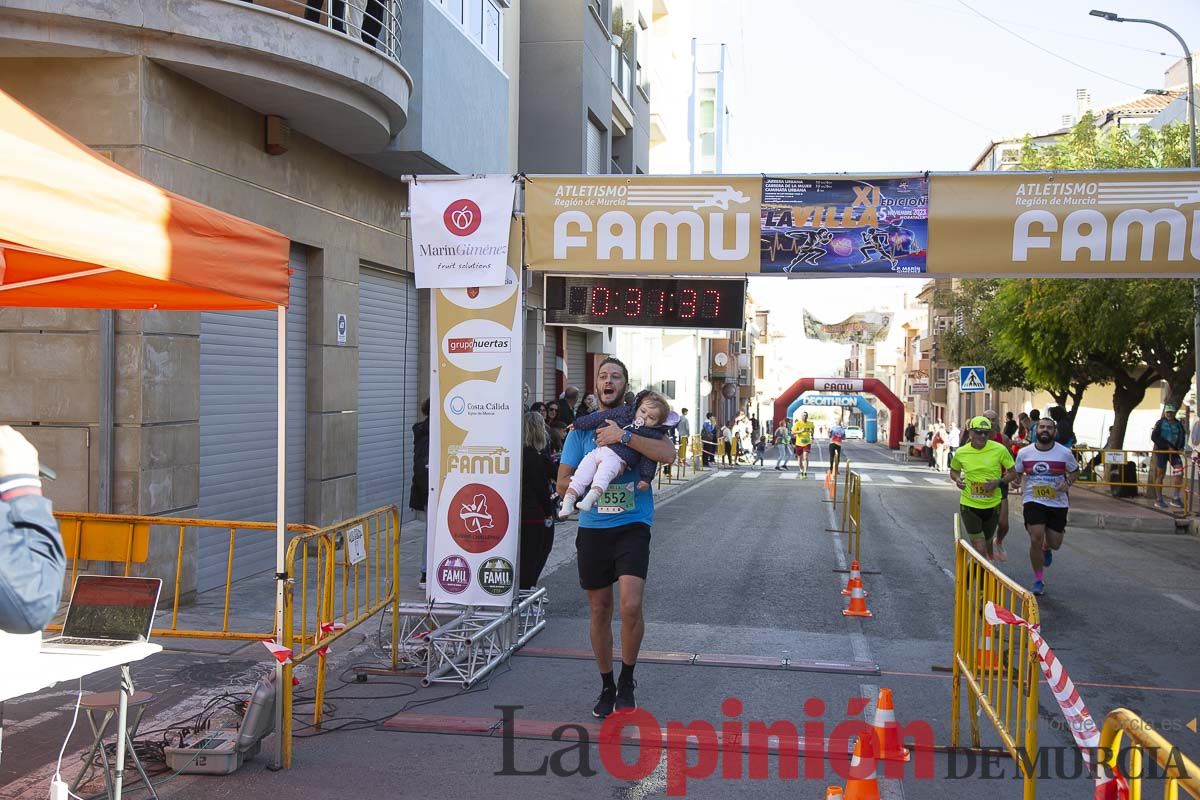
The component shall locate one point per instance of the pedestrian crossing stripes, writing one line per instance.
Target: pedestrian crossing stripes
(723, 473)
(937, 481)
(898, 479)
(789, 476)
(865, 478)
(751, 474)
(885, 480)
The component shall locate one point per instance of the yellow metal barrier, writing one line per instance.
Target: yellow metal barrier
(354, 574)
(125, 540)
(999, 663)
(697, 445)
(852, 508)
(1101, 467)
(1177, 769)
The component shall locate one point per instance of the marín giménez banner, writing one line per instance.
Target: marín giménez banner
(844, 225)
(460, 230)
(866, 327)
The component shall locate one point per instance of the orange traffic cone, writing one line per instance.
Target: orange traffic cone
(858, 603)
(834, 793)
(830, 485)
(985, 657)
(855, 580)
(857, 786)
(887, 730)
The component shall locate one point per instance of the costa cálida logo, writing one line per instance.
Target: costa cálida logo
(462, 217)
(477, 518)
(478, 344)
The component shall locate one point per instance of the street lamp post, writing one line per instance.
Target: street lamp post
(1191, 117)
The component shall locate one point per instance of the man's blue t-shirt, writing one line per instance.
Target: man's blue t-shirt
(623, 503)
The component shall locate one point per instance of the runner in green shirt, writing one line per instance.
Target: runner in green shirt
(976, 469)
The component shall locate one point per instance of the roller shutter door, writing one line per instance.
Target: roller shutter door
(550, 366)
(387, 387)
(577, 359)
(237, 428)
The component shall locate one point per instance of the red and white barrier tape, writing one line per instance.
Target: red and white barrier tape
(1083, 727)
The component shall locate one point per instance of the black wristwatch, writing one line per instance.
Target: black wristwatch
(626, 437)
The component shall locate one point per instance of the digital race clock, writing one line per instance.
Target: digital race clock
(645, 302)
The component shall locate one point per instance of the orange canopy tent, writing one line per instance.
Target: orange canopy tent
(77, 231)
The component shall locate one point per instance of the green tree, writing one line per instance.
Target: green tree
(1063, 335)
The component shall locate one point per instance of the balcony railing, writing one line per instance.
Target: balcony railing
(375, 22)
(621, 73)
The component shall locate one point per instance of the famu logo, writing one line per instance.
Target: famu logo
(479, 344)
(1152, 227)
(496, 576)
(473, 460)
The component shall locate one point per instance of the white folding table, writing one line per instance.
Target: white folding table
(42, 670)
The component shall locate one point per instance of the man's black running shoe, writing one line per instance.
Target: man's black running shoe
(625, 701)
(604, 706)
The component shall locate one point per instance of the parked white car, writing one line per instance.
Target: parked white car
(854, 432)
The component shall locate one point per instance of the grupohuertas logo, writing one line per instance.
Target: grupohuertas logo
(496, 576)
(479, 344)
(1091, 233)
(462, 217)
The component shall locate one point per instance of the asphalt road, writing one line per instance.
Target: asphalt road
(743, 568)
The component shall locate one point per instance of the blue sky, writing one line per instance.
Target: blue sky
(905, 85)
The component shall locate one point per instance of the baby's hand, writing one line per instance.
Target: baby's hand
(643, 485)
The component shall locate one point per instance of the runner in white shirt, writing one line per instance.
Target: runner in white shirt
(1047, 470)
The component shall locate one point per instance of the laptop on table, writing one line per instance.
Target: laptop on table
(106, 612)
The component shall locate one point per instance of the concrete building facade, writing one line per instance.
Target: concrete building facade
(299, 121)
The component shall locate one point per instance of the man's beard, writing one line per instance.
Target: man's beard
(613, 401)
(1045, 438)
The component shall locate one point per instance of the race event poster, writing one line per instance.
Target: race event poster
(864, 327)
(474, 508)
(843, 226)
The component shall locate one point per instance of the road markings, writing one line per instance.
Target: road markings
(937, 481)
(789, 476)
(898, 479)
(864, 477)
(724, 473)
(1183, 601)
(751, 474)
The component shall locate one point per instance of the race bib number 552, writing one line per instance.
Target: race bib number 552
(616, 500)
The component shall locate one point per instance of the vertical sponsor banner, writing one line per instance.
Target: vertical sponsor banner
(460, 230)
(475, 441)
(1066, 223)
(845, 226)
(641, 224)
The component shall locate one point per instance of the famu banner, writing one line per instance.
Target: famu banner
(460, 230)
(475, 442)
(1066, 223)
(865, 327)
(694, 224)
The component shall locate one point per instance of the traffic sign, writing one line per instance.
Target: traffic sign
(972, 379)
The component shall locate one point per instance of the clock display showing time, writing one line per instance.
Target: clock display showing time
(645, 302)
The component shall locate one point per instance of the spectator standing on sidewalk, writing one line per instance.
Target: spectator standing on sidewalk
(538, 473)
(1168, 435)
(1010, 425)
(567, 404)
(418, 495)
(708, 440)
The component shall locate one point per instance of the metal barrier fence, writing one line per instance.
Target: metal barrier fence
(999, 663)
(354, 574)
(124, 540)
(1177, 769)
(852, 508)
(1102, 467)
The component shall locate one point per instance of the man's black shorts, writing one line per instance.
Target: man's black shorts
(1053, 518)
(604, 554)
(980, 521)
